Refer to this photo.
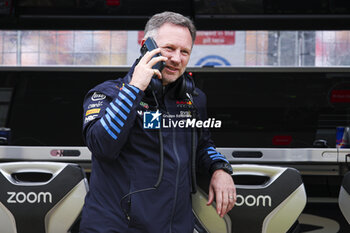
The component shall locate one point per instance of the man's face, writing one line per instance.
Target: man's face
(176, 44)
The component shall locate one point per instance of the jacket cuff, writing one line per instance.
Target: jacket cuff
(221, 165)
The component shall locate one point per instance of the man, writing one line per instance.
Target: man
(133, 188)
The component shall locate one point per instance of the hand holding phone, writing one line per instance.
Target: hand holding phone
(148, 70)
(149, 45)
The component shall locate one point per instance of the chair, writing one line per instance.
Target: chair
(269, 200)
(208, 221)
(344, 197)
(40, 197)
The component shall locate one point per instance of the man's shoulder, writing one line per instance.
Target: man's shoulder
(109, 87)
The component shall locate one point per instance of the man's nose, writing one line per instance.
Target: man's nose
(176, 56)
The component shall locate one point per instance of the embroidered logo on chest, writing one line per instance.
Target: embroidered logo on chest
(184, 104)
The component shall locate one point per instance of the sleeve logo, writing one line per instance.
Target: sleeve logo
(98, 96)
(92, 111)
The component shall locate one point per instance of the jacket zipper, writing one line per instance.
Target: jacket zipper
(177, 179)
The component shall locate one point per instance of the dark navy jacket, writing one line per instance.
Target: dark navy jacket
(125, 159)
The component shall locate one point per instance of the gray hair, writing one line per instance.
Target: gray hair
(158, 20)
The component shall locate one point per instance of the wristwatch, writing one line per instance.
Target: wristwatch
(221, 165)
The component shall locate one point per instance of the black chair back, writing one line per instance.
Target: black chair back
(40, 197)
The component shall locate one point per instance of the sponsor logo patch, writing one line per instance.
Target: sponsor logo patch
(183, 104)
(89, 118)
(95, 105)
(145, 105)
(92, 111)
(98, 96)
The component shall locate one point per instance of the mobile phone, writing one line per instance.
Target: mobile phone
(149, 45)
(155, 84)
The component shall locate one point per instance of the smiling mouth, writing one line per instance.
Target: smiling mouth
(172, 68)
